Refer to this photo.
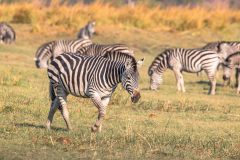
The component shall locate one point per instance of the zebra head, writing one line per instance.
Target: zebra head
(91, 28)
(44, 55)
(229, 65)
(226, 72)
(155, 78)
(130, 77)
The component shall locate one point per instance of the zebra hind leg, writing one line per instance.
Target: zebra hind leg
(62, 96)
(51, 113)
(64, 111)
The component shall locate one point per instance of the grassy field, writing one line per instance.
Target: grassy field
(163, 125)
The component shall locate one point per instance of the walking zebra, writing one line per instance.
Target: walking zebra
(7, 34)
(232, 63)
(99, 49)
(87, 31)
(92, 77)
(189, 60)
(50, 50)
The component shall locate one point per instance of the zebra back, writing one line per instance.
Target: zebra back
(98, 49)
(50, 50)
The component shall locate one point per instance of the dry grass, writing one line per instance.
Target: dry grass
(163, 125)
(60, 18)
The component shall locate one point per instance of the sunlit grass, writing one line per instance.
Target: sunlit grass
(163, 125)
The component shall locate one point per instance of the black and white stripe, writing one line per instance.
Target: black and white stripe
(94, 77)
(50, 50)
(188, 60)
(7, 33)
(100, 49)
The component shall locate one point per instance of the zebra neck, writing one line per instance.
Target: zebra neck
(119, 70)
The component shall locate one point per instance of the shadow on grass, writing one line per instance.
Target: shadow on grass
(29, 125)
(205, 82)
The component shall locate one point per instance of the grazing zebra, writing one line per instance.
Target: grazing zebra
(225, 47)
(98, 49)
(7, 34)
(92, 77)
(87, 31)
(189, 60)
(50, 50)
(232, 63)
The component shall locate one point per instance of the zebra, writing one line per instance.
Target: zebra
(99, 49)
(7, 33)
(227, 48)
(189, 60)
(94, 77)
(87, 31)
(48, 51)
(232, 63)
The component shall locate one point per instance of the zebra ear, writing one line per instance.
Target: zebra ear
(128, 64)
(140, 63)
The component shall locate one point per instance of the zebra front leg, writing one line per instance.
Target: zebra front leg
(52, 111)
(179, 79)
(101, 104)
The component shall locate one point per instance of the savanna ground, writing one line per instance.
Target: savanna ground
(162, 125)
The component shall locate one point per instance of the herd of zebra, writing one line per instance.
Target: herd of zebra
(85, 69)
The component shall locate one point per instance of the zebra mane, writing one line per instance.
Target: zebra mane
(160, 57)
(121, 57)
(43, 47)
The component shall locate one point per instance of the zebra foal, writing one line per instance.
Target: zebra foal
(188, 60)
(94, 77)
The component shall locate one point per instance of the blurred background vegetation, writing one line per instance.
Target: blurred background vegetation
(231, 3)
(154, 15)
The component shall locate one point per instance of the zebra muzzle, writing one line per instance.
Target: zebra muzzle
(136, 96)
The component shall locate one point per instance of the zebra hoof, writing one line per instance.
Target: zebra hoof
(96, 128)
(48, 125)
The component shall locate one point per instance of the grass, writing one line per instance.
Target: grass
(59, 18)
(163, 125)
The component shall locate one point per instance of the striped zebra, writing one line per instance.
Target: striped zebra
(7, 33)
(188, 60)
(94, 77)
(224, 47)
(232, 63)
(227, 48)
(87, 31)
(48, 51)
(99, 49)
